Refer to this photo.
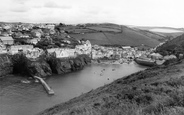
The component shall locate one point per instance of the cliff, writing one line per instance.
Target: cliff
(5, 65)
(154, 91)
(44, 66)
(60, 66)
(25, 66)
(38, 68)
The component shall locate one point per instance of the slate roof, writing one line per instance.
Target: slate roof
(6, 38)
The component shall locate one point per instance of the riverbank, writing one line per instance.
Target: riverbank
(155, 91)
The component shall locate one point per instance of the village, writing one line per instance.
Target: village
(21, 38)
(35, 40)
(91, 57)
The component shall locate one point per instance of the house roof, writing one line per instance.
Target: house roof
(3, 38)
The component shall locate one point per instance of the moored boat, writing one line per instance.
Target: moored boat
(145, 61)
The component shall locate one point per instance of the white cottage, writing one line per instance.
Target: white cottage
(7, 40)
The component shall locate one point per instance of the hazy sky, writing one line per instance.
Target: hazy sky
(127, 12)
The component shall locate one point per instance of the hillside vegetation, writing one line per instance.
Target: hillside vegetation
(117, 35)
(174, 46)
(155, 91)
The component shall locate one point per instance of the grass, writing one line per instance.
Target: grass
(111, 34)
(105, 29)
(95, 38)
(80, 31)
(155, 91)
(153, 35)
(125, 38)
(174, 46)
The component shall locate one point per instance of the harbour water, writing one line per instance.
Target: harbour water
(30, 99)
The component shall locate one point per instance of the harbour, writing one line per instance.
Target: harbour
(18, 98)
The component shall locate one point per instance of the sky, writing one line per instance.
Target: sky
(126, 12)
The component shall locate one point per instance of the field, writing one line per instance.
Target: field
(80, 31)
(126, 37)
(155, 91)
(95, 38)
(104, 29)
(113, 34)
(157, 36)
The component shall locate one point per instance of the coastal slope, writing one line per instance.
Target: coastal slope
(154, 91)
(105, 34)
(174, 46)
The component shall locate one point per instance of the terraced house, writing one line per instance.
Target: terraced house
(7, 40)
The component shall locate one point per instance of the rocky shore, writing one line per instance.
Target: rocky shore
(43, 66)
(61, 66)
(155, 91)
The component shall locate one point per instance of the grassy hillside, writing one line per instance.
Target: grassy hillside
(116, 35)
(174, 46)
(153, 35)
(170, 36)
(155, 91)
(95, 38)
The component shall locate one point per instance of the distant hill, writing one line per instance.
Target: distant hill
(112, 34)
(151, 34)
(168, 32)
(174, 46)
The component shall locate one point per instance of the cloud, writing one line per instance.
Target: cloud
(20, 9)
(54, 5)
(65, 7)
(19, 1)
(93, 11)
(129, 12)
(19, 6)
(37, 6)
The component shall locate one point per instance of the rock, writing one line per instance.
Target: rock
(60, 66)
(25, 81)
(169, 57)
(6, 66)
(38, 68)
(79, 63)
(24, 66)
(19, 62)
(36, 81)
(43, 66)
(160, 62)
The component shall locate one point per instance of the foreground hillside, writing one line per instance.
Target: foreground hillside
(155, 91)
(105, 34)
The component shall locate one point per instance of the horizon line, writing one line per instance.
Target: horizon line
(91, 23)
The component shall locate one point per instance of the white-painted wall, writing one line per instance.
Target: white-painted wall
(15, 48)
